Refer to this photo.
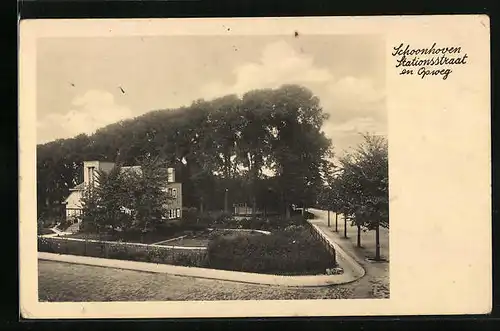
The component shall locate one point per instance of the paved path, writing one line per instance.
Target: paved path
(367, 238)
(376, 279)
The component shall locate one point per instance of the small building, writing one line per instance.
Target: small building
(73, 202)
(243, 209)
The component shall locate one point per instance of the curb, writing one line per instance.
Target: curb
(357, 270)
(214, 274)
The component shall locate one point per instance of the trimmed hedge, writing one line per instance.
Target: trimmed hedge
(120, 251)
(291, 252)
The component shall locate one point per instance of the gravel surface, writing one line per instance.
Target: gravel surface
(60, 281)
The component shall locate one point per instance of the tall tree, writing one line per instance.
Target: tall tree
(226, 122)
(366, 190)
(299, 145)
(254, 142)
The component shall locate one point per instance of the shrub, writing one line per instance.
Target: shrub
(308, 215)
(195, 221)
(119, 252)
(189, 259)
(258, 223)
(168, 229)
(42, 231)
(284, 253)
(122, 252)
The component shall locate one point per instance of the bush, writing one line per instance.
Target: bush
(308, 215)
(122, 252)
(282, 253)
(42, 231)
(193, 220)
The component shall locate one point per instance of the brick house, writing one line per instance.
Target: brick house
(90, 168)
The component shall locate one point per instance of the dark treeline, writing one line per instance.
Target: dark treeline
(220, 149)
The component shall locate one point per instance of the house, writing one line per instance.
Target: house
(73, 202)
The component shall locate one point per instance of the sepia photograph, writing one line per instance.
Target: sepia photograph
(249, 167)
(212, 168)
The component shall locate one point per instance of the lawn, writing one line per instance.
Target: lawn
(146, 238)
(186, 242)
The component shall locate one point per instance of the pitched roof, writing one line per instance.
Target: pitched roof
(78, 187)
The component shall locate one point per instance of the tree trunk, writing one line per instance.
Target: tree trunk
(225, 201)
(287, 212)
(328, 218)
(377, 242)
(336, 222)
(359, 236)
(254, 206)
(201, 205)
(345, 226)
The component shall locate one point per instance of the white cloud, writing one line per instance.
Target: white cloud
(356, 125)
(279, 64)
(90, 111)
(354, 104)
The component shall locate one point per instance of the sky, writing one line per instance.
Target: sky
(80, 80)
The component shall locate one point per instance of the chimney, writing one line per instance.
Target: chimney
(171, 175)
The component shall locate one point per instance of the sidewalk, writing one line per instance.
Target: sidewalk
(376, 279)
(349, 244)
(242, 277)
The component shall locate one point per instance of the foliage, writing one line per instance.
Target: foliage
(218, 146)
(282, 253)
(360, 190)
(122, 251)
(364, 183)
(43, 231)
(126, 200)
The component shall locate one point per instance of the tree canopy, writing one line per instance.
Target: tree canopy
(266, 143)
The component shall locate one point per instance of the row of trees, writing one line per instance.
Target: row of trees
(265, 148)
(359, 189)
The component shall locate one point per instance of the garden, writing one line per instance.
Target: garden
(271, 245)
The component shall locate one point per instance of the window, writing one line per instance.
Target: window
(169, 192)
(91, 175)
(170, 175)
(174, 193)
(178, 213)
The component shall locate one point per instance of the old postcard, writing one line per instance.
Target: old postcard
(249, 167)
